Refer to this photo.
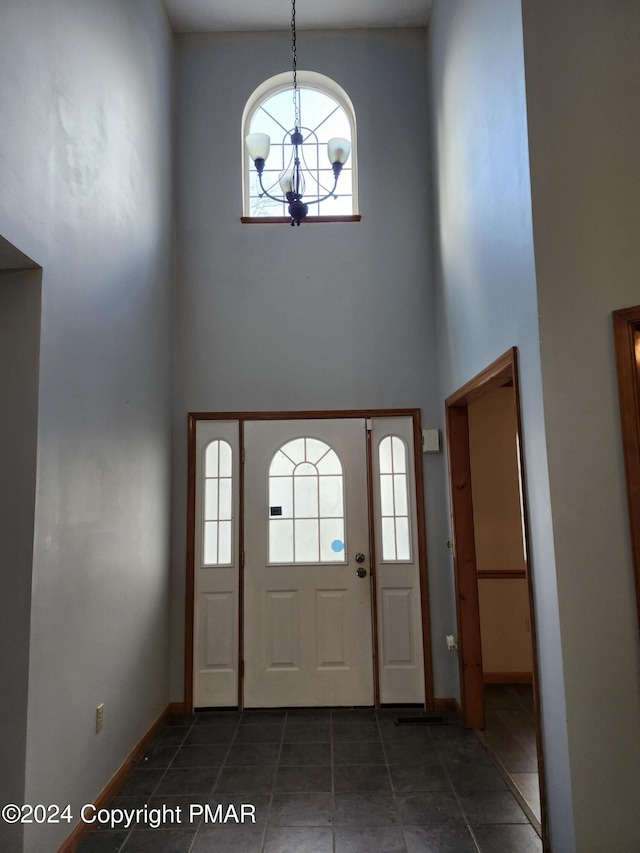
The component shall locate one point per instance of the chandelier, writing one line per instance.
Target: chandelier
(291, 180)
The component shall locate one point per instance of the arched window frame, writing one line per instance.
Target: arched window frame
(280, 83)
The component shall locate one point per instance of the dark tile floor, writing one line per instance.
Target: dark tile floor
(320, 781)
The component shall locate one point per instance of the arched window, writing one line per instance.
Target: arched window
(306, 504)
(218, 504)
(394, 500)
(325, 111)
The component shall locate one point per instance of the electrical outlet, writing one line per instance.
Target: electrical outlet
(99, 718)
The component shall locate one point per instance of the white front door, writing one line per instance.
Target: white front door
(307, 581)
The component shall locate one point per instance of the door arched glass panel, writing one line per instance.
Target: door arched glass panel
(306, 504)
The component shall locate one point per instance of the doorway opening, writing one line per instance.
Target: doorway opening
(493, 577)
(20, 319)
(306, 565)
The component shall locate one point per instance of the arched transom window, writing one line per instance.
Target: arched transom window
(325, 111)
(306, 504)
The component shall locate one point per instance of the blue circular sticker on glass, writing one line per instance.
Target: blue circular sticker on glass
(337, 545)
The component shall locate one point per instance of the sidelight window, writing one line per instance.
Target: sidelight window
(394, 500)
(218, 504)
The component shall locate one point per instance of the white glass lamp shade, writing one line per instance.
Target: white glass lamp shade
(287, 182)
(338, 150)
(258, 145)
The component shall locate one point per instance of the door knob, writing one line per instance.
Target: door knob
(361, 572)
(360, 558)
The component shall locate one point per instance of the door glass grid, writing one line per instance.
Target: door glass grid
(306, 504)
(218, 504)
(394, 500)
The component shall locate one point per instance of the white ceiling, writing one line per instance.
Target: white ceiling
(229, 15)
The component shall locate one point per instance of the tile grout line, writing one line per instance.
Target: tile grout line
(333, 783)
(333, 768)
(457, 798)
(180, 745)
(211, 793)
(195, 835)
(273, 784)
(393, 790)
(149, 796)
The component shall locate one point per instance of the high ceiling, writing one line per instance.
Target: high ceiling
(229, 15)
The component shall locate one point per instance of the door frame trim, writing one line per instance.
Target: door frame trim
(242, 417)
(626, 331)
(503, 371)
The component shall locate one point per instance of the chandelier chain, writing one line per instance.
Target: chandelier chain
(295, 64)
(292, 180)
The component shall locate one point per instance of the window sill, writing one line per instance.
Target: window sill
(280, 220)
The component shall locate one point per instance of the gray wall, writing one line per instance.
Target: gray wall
(486, 288)
(85, 90)
(19, 355)
(582, 70)
(324, 316)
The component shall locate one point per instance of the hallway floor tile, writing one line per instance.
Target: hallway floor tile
(315, 781)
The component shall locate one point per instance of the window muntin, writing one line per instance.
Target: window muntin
(325, 111)
(394, 500)
(218, 504)
(306, 504)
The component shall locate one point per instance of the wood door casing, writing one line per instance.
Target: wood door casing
(626, 327)
(194, 419)
(503, 371)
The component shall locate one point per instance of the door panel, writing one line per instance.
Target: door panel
(218, 630)
(331, 628)
(216, 580)
(282, 648)
(307, 612)
(397, 610)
